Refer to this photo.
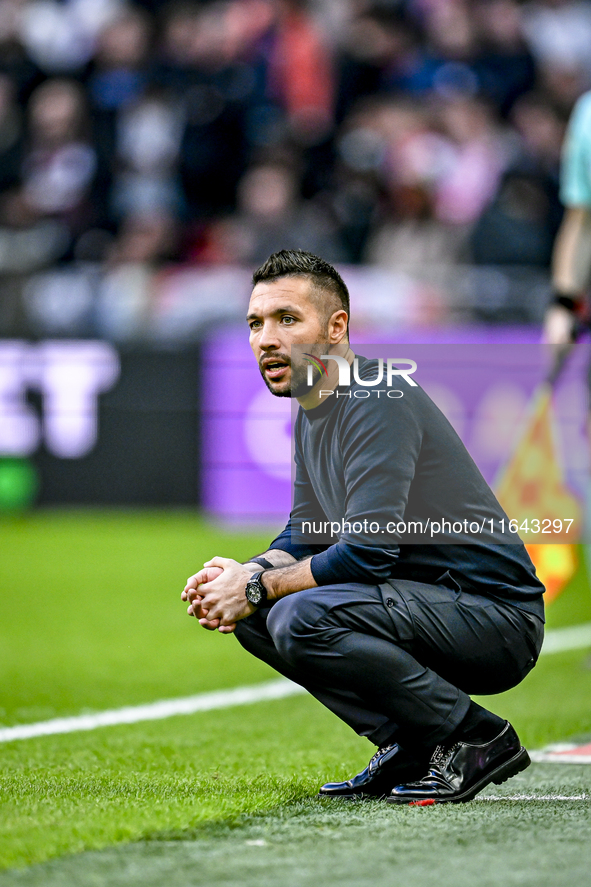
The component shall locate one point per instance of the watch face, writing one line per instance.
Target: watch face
(253, 593)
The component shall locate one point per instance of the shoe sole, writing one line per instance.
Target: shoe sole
(512, 767)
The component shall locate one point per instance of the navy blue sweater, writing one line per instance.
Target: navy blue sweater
(393, 461)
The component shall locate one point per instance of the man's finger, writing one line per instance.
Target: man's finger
(209, 624)
(197, 608)
(195, 594)
(208, 574)
(213, 611)
(196, 580)
(227, 629)
(223, 562)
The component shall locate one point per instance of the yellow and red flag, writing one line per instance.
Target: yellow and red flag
(532, 490)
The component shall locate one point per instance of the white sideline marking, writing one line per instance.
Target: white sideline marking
(563, 753)
(574, 637)
(533, 798)
(155, 711)
(541, 757)
(556, 641)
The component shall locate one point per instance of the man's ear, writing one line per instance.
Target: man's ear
(337, 326)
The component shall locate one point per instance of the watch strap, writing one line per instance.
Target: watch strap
(262, 562)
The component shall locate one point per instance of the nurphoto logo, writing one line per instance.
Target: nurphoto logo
(385, 368)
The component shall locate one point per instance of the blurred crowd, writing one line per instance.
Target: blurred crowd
(396, 132)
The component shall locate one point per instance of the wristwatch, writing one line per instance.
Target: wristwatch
(255, 591)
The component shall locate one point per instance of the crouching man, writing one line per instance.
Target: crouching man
(392, 638)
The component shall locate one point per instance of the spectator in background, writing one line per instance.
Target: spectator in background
(479, 154)
(119, 70)
(270, 212)
(46, 205)
(377, 48)
(11, 135)
(451, 49)
(540, 129)
(515, 229)
(215, 75)
(413, 156)
(58, 165)
(411, 238)
(60, 35)
(559, 35)
(145, 238)
(116, 78)
(505, 67)
(444, 165)
(370, 146)
(559, 32)
(15, 61)
(147, 156)
(300, 73)
(60, 162)
(519, 226)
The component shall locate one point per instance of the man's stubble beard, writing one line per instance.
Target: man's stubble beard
(298, 385)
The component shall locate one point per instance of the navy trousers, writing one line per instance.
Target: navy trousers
(397, 660)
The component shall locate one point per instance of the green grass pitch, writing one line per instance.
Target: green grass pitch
(92, 619)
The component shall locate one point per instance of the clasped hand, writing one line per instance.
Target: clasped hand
(216, 594)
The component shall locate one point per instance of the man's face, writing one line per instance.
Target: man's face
(281, 313)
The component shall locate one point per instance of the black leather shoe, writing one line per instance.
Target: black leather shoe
(458, 772)
(389, 766)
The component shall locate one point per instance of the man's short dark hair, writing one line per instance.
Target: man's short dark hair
(324, 278)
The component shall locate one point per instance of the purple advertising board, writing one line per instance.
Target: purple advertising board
(483, 379)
